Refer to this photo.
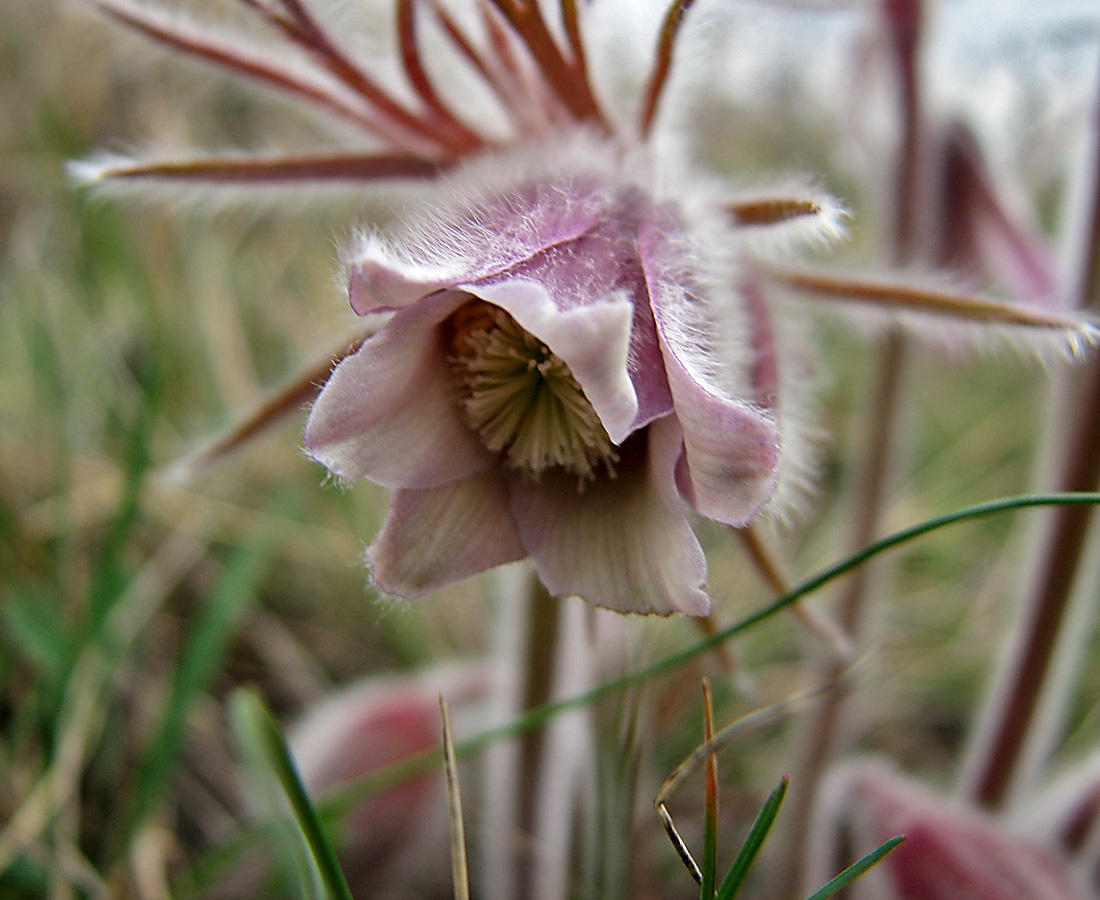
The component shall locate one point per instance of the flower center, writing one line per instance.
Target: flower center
(521, 398)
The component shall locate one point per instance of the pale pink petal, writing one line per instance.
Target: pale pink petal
(591, 269)
(471, 244)
(388, 412)
(623, 543)
(731, 448)
(951, 850)
(592, 340)
(378, 284)
(433, 537)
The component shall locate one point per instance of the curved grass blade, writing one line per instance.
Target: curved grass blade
(420, 763)
(854, 871)
(460, 874)
(265, 748)
(753, 842)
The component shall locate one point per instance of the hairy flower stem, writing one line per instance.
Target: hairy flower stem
(902, 20)
(531, 796)
(1026, 691)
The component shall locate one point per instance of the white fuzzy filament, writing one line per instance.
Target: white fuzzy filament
(521, 398)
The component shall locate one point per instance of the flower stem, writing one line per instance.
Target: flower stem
(531, 785)
(1026, 691)
(901, 21)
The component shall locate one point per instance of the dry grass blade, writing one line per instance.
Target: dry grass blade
(459, 870)
(739, 728)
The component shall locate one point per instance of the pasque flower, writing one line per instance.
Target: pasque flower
(577, 350)
(950, 851)
(552, 384)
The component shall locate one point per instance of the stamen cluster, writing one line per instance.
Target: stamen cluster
(521, 398)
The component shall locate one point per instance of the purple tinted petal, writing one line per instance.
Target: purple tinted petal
(388, 412)
(589, 270)
(623, 543)
(433, 537)
(950, 851)
(592, 340)
(379, 283)
(480, 241)
(730, 448)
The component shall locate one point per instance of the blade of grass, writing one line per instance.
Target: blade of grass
(263, 743)
(200, 661)
(418, 764)
(34, 626)
(710, 802)
(855, 870)
(459, 872)
(753, 842)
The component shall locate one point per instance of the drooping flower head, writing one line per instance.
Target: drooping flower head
(576, 355)
(567, 370)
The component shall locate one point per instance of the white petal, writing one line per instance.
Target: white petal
(592, 340)
(623, 543)
(388, 412)
(433, 537)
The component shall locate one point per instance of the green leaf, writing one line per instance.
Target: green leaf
(753, 842)
(275, 774)
(200, 662)
(853, 871)
(34, 625)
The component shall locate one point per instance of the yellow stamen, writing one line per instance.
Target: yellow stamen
(521, 398)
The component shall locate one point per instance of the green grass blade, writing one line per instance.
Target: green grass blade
(710, 803)
(200, 661)
(263, 744)
(854, 871)
(420, 763)
(33, 624)
(753, 842)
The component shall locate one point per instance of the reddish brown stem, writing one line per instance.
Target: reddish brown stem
(995, 761)
(229, 57)
(249, 170)
(563, 78)
(411, 59)
(666, 43)
(303, 29)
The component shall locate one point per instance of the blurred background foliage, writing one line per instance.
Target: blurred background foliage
(131, 604)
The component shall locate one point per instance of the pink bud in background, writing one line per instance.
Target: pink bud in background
(399, 835)
(951, 850)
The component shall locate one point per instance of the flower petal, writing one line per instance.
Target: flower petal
(388, 413)
(484, 239)
(592, 340)
(433, 537)
(951, 850)
(731, 448)
(623, 543)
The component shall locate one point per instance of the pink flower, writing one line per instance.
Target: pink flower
(951, 852)
(566, 375)
(571, 363)
(398, 836)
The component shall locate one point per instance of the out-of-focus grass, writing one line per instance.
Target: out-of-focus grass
(130, 606)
